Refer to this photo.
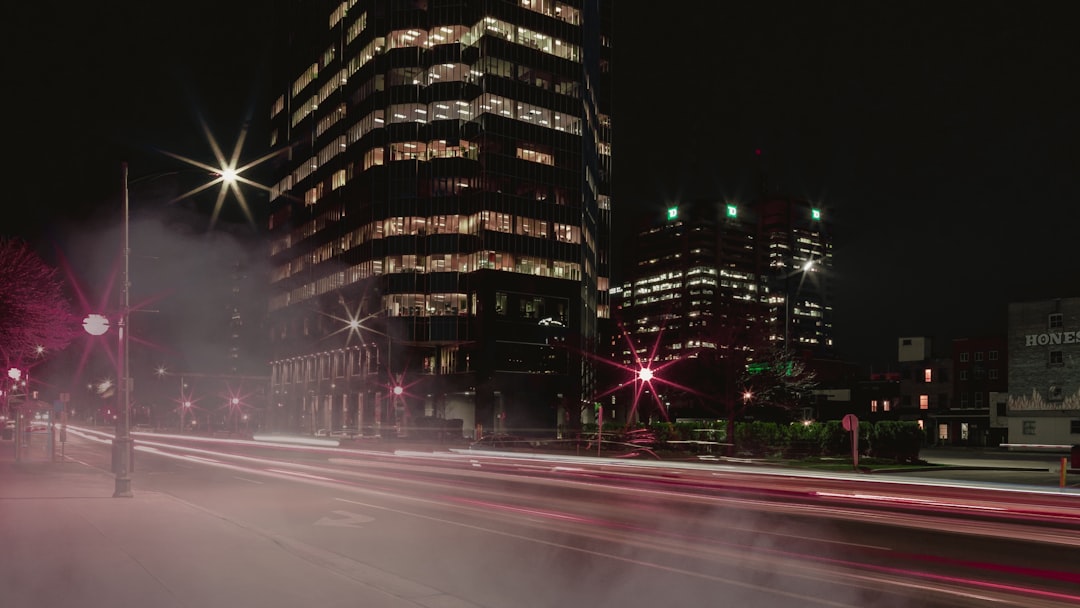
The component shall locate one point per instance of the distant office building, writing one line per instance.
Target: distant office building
(692, 290)
(1044, 372)
(794, 239)
(441, 220)
(718, 281)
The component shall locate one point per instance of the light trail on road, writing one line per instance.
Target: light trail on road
(590, 501)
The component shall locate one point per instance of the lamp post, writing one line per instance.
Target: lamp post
(16, 376)
(184, 407)
(122, 443)
(122, 446)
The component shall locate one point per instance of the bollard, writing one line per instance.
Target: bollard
(1064, 468)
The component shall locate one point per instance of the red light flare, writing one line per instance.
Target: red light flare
(647, 372)
(398, 388)
(235, 400)
(88, 308)
(187, 400)
(108, 339)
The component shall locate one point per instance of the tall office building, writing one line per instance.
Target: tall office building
(716, 282)
(440, 223)
(795, 249)
(692, 295)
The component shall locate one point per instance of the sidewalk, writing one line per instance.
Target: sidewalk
(66, 542)
(995, 458)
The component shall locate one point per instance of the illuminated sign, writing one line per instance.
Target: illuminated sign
(672, 213)
(732, 211)
(815, 214)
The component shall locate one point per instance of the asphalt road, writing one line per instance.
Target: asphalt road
(494, 530)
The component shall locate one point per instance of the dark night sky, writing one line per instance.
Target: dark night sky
(941, 138)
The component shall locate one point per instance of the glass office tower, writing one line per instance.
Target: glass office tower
(440, 221)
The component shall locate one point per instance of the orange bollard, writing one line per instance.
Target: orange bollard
(1064, 468)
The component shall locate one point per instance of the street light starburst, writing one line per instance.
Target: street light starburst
(228, 174)
(353, 323)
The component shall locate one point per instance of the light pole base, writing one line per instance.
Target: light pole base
(122, 461)
(123, 488)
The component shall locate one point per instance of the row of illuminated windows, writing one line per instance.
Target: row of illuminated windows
(554, 8)
(647, 289)
(664, 276)
(652, 299)
(356, 27)
(486, 103)
(544, 158)
(427, 150)
(424, 76)
(460, 224)
(306, 77)
(433, 187)
(523, 36)
(342, 9)
(426, 304)
(355, 362)
(494, 260)
(883, 405)
(428, 38)
(416, 112)
(796, 311)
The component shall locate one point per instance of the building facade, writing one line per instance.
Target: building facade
(980, 371)
(925, 382)
(440, 224)
(1044, 372)
(713, 282)
(796, 246)
(691, 299)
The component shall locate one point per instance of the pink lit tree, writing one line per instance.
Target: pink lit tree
(35, 314)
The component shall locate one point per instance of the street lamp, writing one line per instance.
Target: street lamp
(185, 407)
(234, 409)
(122, 442)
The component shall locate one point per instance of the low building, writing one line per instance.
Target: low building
(1044, 372)
(980, 371)
(925, 383)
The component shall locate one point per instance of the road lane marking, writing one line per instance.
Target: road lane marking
(255, 481)
(347, 519)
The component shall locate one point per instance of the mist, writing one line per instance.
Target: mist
(188, 281)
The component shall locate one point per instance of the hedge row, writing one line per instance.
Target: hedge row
(888, 439)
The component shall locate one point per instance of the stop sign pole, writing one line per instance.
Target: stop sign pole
(851, 423)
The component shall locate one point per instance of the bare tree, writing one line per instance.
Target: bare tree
(35, 313)
(779, 381)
